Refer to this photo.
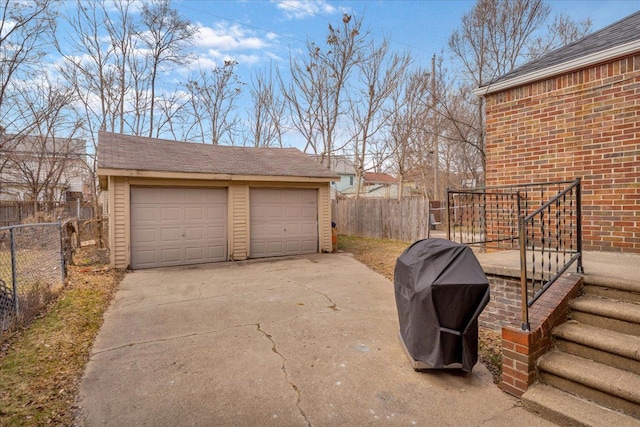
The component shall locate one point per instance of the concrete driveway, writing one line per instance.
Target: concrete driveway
(304, 341)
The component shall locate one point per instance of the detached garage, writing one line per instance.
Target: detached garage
(176, 203)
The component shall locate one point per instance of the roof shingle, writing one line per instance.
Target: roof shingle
(117, 151)
(619, 33)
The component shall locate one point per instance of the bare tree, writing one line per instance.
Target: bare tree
(89, 70)
(121, 31)
(212, 100)
(267, 111)
(408, 139)
(495, 37)
(380, 75)
(560, 32)
(172, 115)
(166, 36)
(41, 160)
(317, 92)
(25, 30)
(96, 72)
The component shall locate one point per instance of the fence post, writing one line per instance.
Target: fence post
(14, 270)
(62, 262)
(448, 214)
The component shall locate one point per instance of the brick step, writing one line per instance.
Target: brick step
(601, 345)
(613, 288)
(608, 386)
(565, 409)
(618, 316)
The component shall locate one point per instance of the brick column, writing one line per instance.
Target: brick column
(521, 349)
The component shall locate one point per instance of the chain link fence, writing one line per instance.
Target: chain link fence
(32, 268)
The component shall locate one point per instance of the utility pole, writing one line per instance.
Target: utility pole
(436, 157)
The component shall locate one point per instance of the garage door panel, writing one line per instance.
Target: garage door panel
(293, 212)
(145, 235)
(309, 212)
(194, 213)
(293, 246)
(275, 230)
(194, 233)
(143, 213)
(216, 251)
(276, 247)
(258, 247)
(170, 235)
(176, 226)
(146, 257)
(216, 232)
(309, 245)
(283, 222)
(216, 212)
(170, 213)
(292, 229)
(195, 254)
(170, 255)
(275, 212)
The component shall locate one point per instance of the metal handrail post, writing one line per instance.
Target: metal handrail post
(523, 274)
(580, 268)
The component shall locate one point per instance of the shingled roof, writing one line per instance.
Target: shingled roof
(618, 39)
(125, 152)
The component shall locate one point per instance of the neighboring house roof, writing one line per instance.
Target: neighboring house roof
(616, 40)
(136, 153)
(339, 164)
(382, 178)
(33, 144)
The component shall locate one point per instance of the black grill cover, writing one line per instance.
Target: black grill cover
(440, 290)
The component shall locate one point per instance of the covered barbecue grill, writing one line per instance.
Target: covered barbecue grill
(440, 290)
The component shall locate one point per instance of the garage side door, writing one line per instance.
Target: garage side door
(177, 226)
(283, 222)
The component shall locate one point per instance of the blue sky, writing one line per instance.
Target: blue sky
(256, 32)
(261, 33)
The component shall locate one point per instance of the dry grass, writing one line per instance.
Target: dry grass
(380, 255)
(41, 364)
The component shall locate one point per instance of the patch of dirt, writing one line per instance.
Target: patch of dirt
(490, 352)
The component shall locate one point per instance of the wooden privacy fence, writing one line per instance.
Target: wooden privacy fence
(406, 219)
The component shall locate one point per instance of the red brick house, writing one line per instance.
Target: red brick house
(575, 113)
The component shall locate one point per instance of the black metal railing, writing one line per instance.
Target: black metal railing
(542, 221)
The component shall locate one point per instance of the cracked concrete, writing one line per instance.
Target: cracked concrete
(274, 348)
(309, 341)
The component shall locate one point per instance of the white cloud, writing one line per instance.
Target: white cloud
(298, 9)
(226, 38)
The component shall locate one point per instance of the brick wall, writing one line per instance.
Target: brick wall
(504, 306)
(582, 124)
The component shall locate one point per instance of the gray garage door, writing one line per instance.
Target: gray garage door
(283, 222)
(177, 226)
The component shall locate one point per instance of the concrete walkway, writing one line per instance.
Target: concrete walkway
(308, 341)
(601, 268)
